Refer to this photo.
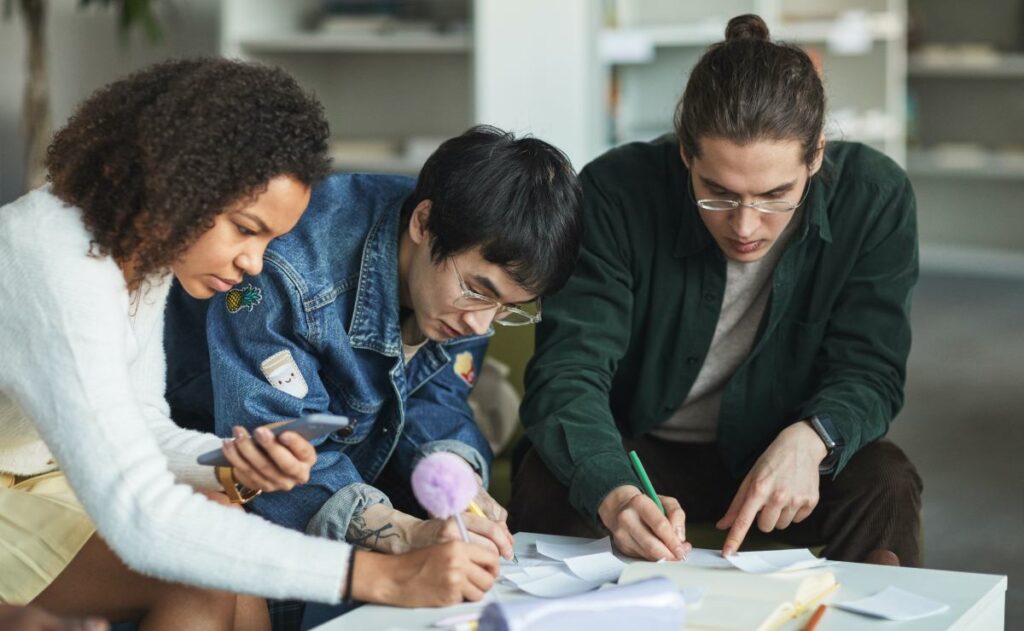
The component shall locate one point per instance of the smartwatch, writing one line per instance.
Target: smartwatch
(826, 431)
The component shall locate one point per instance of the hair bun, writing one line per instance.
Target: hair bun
(747, 26)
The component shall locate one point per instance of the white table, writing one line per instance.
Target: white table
(977, 602)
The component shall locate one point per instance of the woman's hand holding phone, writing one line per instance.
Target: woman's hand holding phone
(278, 456)
(269, 463)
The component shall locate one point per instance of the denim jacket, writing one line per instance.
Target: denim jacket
(319, 331)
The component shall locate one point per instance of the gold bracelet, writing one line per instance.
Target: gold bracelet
(237, 493)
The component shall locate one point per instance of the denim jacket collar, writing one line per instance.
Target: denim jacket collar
(375, 316)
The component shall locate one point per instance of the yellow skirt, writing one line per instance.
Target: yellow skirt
(42, 528)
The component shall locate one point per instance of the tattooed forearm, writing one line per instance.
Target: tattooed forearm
(362, 534)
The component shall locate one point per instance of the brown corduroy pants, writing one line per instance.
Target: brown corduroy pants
(874, 502)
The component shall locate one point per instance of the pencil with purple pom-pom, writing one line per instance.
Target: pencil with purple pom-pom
(445, 485)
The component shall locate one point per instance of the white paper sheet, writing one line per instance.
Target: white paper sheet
(556, 584)
(702, 557)
(511, 566)
(562, 551)
(527, 574)
(528, 556)
(602, 566)
(893, 603)
(774, 561)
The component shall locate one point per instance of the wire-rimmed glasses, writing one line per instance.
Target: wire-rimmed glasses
(507, 314)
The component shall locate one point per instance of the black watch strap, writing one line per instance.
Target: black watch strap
(826, 430)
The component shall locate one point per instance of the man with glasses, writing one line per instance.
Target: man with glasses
(739, 317)
(378, 306)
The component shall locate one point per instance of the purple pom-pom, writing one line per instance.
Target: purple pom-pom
(444, 484)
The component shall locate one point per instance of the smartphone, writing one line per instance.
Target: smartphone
(310, 426)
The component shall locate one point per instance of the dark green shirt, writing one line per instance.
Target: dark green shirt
(621, 345)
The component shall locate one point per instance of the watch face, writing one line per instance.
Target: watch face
(823, 432)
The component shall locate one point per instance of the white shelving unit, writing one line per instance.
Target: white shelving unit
(508, 67)
(357, 43)
(982, 165)
(388, 89)
(999, 65)
(651, 44)
(881, 27)
(967, 153)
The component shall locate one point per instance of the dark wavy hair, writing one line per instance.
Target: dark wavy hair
(517, 199)
(152, 159)
(748, 88)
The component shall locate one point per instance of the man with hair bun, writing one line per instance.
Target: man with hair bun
(739, 317)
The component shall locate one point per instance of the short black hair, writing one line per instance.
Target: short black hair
(518, 199)
(153, 158)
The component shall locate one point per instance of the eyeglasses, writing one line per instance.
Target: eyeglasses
(507, 315)
(767, 206)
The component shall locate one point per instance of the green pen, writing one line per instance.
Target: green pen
(639, 468)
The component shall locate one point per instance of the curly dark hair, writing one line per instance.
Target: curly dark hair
(152, 159)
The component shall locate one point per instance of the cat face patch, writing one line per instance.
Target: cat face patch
(283, 373)
(243, 298)
(464, 368)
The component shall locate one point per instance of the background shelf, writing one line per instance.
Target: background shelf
(325, 42)
(1000, 66)
(983, 165)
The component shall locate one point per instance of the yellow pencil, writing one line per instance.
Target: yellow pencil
(474, 509)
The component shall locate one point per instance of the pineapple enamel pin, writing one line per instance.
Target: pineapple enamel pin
(243, 298)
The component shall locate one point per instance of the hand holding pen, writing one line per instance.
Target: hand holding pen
(645, 525)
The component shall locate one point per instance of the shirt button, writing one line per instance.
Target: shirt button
(709, 297)
(692, 360)
(385, 430)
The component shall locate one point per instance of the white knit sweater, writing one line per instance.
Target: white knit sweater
(82, 378)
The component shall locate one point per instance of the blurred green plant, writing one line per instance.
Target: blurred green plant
(36, 116)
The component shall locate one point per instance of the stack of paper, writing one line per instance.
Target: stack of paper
(553, 570)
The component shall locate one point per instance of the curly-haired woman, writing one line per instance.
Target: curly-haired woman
(184, 170)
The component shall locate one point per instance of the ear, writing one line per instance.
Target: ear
(819, 155)
(418, 222)
(682, 154)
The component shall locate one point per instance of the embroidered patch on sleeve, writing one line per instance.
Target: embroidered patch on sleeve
(243, 298)
(464, 367)
(283, 373)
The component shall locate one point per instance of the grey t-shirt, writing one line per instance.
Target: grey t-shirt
(747, 289)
